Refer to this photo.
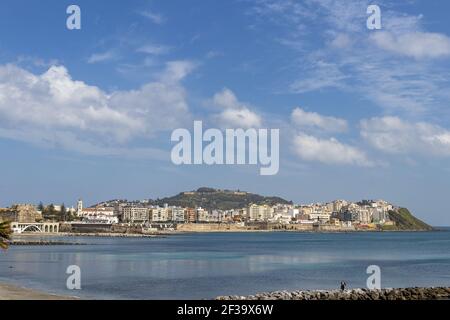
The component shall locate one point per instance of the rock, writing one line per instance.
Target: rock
(355, 294)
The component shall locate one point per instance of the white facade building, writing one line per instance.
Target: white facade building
(160, 214)
(259, 212)
(178, 214)
(135, 214)
(98, 215)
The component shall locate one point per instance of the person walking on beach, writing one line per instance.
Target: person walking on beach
(343, 285)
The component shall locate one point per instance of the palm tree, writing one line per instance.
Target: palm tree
(5, 232)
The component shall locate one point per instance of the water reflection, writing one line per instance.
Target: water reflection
(205, 265)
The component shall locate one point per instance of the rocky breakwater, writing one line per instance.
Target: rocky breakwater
(441, 293)
(43, 243)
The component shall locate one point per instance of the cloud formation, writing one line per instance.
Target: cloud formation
(154, 49)
(233, 113)
(315, 146)
(102, 57)
(417, 45)
(154, 17)
(396, 136)
(328, 151)
(355, 60)
(305, 120)
(53, 109)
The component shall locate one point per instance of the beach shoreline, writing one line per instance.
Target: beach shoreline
(14, 292)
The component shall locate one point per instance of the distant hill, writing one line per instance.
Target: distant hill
(404, 220)
(210, 198)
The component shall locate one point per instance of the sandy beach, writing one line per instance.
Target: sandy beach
(11, 292)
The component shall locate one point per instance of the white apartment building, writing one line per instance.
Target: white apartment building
(135, 214)
(364, 215)
(98, 215)
(379, 215)
(294, 212)
(178, 214)
(202, 215)
(338, 205)
(259, 212)
(160, 214)
(322, 217)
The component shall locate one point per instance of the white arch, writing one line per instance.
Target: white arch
(32, 226)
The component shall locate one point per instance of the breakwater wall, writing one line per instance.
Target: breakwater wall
(436, 293)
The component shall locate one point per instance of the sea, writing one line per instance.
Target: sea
(207, 265)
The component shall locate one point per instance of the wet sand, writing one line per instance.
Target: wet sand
(11, 292)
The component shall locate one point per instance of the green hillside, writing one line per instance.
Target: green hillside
(209, 198)
(404, 220)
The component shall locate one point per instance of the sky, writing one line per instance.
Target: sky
(362, 114)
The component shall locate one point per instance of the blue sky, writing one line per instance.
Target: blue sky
(363, 114)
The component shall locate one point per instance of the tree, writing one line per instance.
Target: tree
(50, 213)
(5, 233)
(41, 207)
(63, 213)
(51, 209)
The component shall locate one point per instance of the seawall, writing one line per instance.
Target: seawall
(438, 293)
(224, 227)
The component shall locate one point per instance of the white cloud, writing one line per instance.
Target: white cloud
(328, 151)
(234, 114)
(102, 57)
(239, 118)
(305, 120)
(417, 44)
(214, 54)
(177, 70)
(320, 75)
(341, 41)
(154, 49)
(396, 136)
(156, 18)
(55, 109)
(381, 75)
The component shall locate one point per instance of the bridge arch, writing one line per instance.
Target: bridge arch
(31, 228)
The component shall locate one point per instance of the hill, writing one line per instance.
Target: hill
(404, 220)
(210, 198)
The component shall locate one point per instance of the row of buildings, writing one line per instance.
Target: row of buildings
(336, 212)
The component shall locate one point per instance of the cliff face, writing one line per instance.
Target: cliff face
(404, 220)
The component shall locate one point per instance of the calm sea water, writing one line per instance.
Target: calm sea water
(199, 266)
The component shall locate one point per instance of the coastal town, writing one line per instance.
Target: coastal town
(145, 217)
